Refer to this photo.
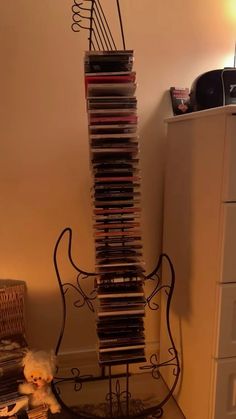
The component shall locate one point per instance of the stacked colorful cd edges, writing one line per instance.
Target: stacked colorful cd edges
(110, 84)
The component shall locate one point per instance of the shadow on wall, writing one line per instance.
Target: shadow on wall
(79, 330)
(152, 162)
(154, 175)
(40, 328)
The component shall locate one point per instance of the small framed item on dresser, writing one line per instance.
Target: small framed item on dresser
(180, 100)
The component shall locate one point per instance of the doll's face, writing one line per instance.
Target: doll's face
(36, 377)
(38, 372)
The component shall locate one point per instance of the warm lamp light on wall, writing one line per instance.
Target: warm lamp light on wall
(217, 87)
(231, 12)
(231, 9)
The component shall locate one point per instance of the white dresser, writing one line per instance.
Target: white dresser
(200, 239)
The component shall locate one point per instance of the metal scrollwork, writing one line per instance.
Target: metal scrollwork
(157, 415)
(89, 15)
(119, 403)
(75, 377)
(83, 297)
(118, 399)
(150, 299)
(155, 365)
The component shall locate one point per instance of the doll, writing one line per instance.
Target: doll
(39, 368)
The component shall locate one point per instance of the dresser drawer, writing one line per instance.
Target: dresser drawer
(226, 334)
(228, 243)
(229, 178)
(224, 406)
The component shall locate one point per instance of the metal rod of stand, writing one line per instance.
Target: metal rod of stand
(235, 55)
(121, 24)
(127, 390)
(110, 391)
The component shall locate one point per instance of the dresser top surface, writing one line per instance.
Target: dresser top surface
(229, 109)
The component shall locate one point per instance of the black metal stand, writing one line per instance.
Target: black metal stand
(89, 15)
(118, 402)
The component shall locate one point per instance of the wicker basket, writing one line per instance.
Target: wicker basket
(12, 304)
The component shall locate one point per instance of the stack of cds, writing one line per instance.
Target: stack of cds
(112, 114)
(12, 352)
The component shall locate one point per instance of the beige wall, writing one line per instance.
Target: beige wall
(44, 170)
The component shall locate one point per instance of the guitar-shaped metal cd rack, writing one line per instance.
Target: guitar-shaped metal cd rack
(118, 286)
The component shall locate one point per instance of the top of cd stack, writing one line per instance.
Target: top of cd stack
(112, 114)
(108, 61)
